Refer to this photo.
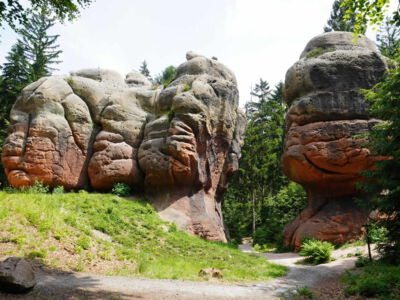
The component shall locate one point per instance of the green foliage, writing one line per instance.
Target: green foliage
(384, 181)
(166, 76)
(58, 190)
(145, 70)
(140, 244)
(305, 291)
(28, 60)
(40, 48)
(279, 210)
(42, 253)
(316, 252)
(367, 13)
(121, 189)
(362, 261)
(260, 200)
(337, 20)
(36, 188)
(388, 39)
(186, 88)
(377, 233)
(13, 12)
(317, 52)
(376, 280)
(84, 242)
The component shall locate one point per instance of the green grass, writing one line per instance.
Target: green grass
(356, 243)
(376, 280)
(59, 230)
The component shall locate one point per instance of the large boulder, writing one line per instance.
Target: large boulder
(326, 126)
(94, 128)
(16, 275)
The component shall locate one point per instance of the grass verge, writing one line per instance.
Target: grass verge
(106, 234)
(376, 280)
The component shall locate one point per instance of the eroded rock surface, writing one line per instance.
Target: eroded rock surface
(324, 146)
(16, 275)
(95, 129)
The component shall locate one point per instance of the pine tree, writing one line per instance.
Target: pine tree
(336, 21)
(388, 39)
(145, 70)
(40, 47)
(251, 202)
(28, 60)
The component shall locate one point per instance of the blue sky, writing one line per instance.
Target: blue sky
(255, 38)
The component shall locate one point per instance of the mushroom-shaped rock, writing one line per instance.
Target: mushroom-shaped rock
(324, 150)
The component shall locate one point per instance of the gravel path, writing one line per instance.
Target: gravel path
(89, 286)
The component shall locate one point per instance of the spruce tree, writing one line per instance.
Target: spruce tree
(336, 21)
(40, 47)
(251, 203)
(145, 70)
(388, 39)
(29, 59)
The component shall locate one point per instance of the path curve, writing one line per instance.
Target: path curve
(89, 286)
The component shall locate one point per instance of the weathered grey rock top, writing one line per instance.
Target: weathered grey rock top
(326, 114)
(95, 128)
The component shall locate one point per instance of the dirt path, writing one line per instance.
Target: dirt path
(88, 286)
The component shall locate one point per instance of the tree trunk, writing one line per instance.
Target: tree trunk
(253, 198)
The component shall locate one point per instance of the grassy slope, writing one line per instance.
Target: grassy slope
(63, 231)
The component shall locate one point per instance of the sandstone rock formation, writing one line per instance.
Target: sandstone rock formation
(324, 149)
(95, 129)
(16, 275)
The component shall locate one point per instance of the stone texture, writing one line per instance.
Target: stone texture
(16, 275)
(94, 129)
(324, 145)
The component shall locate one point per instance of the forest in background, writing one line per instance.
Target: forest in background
(260, 199)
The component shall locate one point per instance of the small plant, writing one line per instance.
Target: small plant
(186, 88)
(38, 188)
(84, 242)
(58, 190)
(173, 227)
(305, 291)
(171, 115)
(42, 253)
(316, 252)
(121, 189)
(361, 262)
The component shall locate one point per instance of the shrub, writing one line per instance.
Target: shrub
(377, 234)
(121, 189)
(361, 262)
(374, 280)
(305, 291)
(316, 251)
(58, 190)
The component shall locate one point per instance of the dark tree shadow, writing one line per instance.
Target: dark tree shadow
(53, 283)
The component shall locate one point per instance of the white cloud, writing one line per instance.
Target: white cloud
(255, 38)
